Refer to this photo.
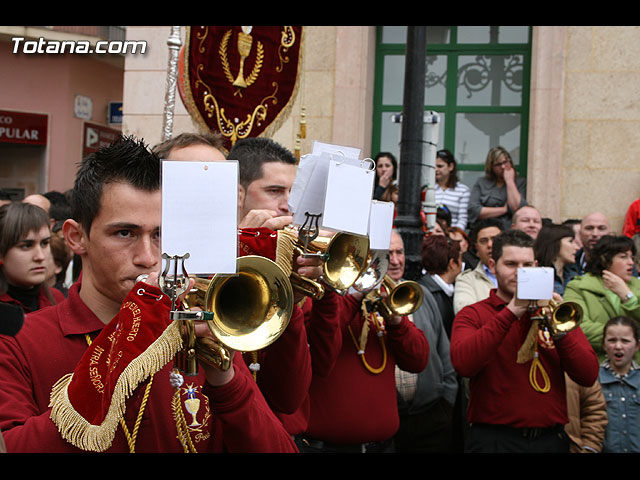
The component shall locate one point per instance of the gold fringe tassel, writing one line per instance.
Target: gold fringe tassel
(97, 438)
(284, 251)
(528, 347)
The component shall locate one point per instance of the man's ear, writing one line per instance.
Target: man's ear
(492, 265)
(242, 192)
(75, 236)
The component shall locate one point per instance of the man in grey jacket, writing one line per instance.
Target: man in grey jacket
(426, 399)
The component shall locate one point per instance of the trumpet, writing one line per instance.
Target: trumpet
(344, 258)
(244, 312)
(374, 271)
(561, 317)
(403, 298)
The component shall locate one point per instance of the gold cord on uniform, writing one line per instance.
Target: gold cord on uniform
(378, 322)
(131, 438)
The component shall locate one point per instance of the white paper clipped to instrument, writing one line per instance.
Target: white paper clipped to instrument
(535, 283)
(200, 214)
(347, 202)
(334, 183)
(307, 166)
(380, 225)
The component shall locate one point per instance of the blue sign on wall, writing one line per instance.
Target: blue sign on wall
(115, 112)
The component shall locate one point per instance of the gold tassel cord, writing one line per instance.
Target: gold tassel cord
(529, 352)
(361, 345)
(285, 249)
(181, 424)
(530, 342)
(533, 380)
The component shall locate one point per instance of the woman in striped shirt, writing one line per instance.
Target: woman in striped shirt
(449, 190)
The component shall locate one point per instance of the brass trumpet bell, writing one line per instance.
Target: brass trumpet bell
(345, 257)
(563, 317)
(374, 272)
(403, 298)
(250, 309)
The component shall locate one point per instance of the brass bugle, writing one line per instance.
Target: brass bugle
(250, 309)
(561, 317)
(344, 258)
(403, 298)
(374, 272)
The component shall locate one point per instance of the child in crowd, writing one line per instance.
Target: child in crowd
(620, 380)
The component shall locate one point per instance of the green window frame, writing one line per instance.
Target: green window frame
(478, 83)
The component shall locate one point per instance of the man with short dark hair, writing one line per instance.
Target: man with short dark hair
(473, 285)
(267, 172)
(517, 388)
(49, 371)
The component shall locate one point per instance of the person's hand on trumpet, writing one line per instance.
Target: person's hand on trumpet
(309, 267)
(214, 375)
(265, 219)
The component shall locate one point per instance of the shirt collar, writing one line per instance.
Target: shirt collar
(490, 274)
(606, 365)
(75, 317)
(446, 287)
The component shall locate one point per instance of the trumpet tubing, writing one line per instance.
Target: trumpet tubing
(250, 309)
(344, 256)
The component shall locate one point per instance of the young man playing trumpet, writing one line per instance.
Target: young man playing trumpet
(115, 230)
(353, 406)
(517, 389)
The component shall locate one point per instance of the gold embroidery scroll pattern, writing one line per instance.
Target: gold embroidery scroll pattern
(287, 39)
(202, 37)
(226, 126)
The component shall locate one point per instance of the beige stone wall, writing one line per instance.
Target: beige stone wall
(336, 89)
(601, 121)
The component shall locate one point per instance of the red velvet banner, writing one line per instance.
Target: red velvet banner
(240, 81)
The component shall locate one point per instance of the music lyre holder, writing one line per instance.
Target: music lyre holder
(309, 232)
(174, 285)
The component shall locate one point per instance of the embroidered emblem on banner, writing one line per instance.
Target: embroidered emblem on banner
(240, 81)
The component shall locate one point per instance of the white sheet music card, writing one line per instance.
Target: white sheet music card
(320, 147)
(304, 174)
(312, 199)
(199, 214)
(380, 225)
(535, 283)
(347, 202)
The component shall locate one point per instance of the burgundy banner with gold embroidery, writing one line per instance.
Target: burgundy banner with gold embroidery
(240, 81)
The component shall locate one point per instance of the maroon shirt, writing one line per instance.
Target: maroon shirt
(349, 404)
(322, 342)
(485, 340)
(234, 417)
